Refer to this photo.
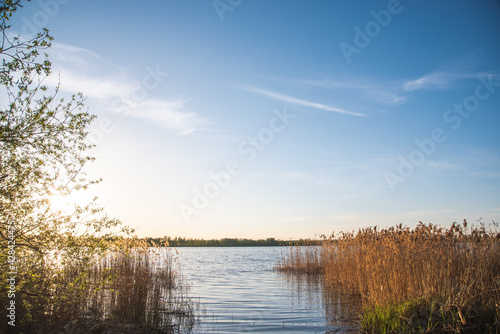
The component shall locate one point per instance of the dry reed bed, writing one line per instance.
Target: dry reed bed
(133, 289)
(450, 276)
(140, 287)
(301, 259)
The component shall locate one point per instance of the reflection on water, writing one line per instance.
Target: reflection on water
(341, 309)
(240, 293)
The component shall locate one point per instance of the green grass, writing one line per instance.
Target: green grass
(427, 315)
(418, 316)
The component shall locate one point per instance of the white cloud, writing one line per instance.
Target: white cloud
(167, 113)
(434, 80)
(437, 80)
(81, 70)
(393, 92)
(386, 96)
(380, 92)
(389, 93)
(71, 53)
(305, 103)
(100, 88)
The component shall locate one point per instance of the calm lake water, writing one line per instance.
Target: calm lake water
(239, 292)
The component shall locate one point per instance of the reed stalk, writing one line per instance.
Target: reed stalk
(425, 279)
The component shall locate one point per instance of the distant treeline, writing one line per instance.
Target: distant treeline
(227, 242)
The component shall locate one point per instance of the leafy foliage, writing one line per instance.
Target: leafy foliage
(43, 152)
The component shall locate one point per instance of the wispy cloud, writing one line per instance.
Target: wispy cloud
(305, 103)
(72, 54)
(384, 92)
(443, 165)
(438, 80)
(81, 70)
(92, 87)
(169, 114)
(368, 90)
(386, 95)
(362, 89)
(434, 80)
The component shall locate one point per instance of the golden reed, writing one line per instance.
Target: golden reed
(456, 269)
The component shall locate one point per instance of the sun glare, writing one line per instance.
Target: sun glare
(61, 203)
(65, 203)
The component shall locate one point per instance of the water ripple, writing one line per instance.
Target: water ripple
(240, 293)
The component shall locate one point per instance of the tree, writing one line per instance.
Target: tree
(43, 152)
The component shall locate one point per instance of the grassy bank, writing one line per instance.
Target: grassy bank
(422, 280)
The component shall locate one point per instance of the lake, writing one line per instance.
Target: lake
(239, 292)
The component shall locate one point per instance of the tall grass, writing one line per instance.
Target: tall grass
(301, 259)
(428, 278)
(139, 287)
(130, 290)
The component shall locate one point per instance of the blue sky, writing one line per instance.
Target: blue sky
(284, 119)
